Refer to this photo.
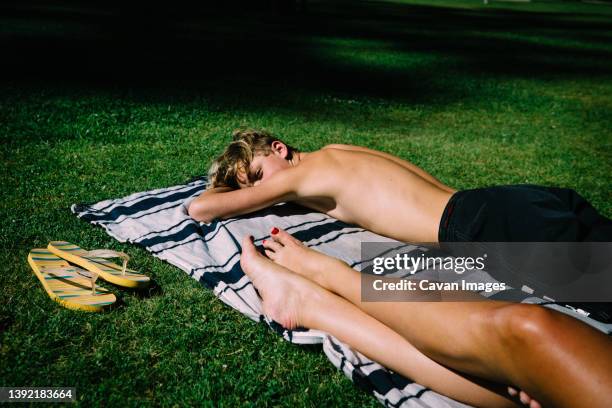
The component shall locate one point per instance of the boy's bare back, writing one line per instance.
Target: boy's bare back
(373, 192)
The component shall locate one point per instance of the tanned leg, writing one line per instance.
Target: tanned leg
(558, 360)
(294, 301)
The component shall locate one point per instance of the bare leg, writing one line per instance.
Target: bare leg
(555, 358)
(293, 301)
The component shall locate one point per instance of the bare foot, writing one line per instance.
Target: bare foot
(289, 252)
(287, 297)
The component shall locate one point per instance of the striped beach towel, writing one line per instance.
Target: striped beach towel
(158, 221)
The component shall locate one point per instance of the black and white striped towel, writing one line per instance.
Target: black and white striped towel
(210, 253)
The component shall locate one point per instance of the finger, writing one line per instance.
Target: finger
(525, 399)
(534, 404)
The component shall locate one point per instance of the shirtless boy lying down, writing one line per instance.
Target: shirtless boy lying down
(467, 350)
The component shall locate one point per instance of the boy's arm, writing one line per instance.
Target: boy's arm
(401, 162)
(225, 202)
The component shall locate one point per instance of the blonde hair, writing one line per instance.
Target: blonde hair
(237, 157)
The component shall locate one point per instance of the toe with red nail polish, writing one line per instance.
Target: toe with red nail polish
(274, 231)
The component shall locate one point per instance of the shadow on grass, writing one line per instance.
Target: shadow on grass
(249, 52)
(153, 290)
(5, 322)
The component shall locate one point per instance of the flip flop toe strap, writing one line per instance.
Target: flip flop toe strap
(92, 276)
(109, 253)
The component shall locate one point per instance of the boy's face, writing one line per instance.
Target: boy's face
(262, 166)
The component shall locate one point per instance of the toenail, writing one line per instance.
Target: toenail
(264, 241)
(252, 238)
(274, 231)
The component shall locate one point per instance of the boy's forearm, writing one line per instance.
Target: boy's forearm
(198, 208)
(224, 202)
(216, 190)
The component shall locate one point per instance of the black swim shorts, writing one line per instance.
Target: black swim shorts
(522, 213)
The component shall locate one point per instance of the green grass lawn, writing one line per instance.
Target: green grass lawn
(477, 95)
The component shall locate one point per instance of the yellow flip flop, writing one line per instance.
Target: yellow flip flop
(96, 261)
(70, 286)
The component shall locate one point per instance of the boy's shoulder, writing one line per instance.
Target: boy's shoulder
(319, 159)
(340, 146)
(337, 153)
(333, 150)
(330, 157)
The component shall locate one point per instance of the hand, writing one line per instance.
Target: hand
(525, 398)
